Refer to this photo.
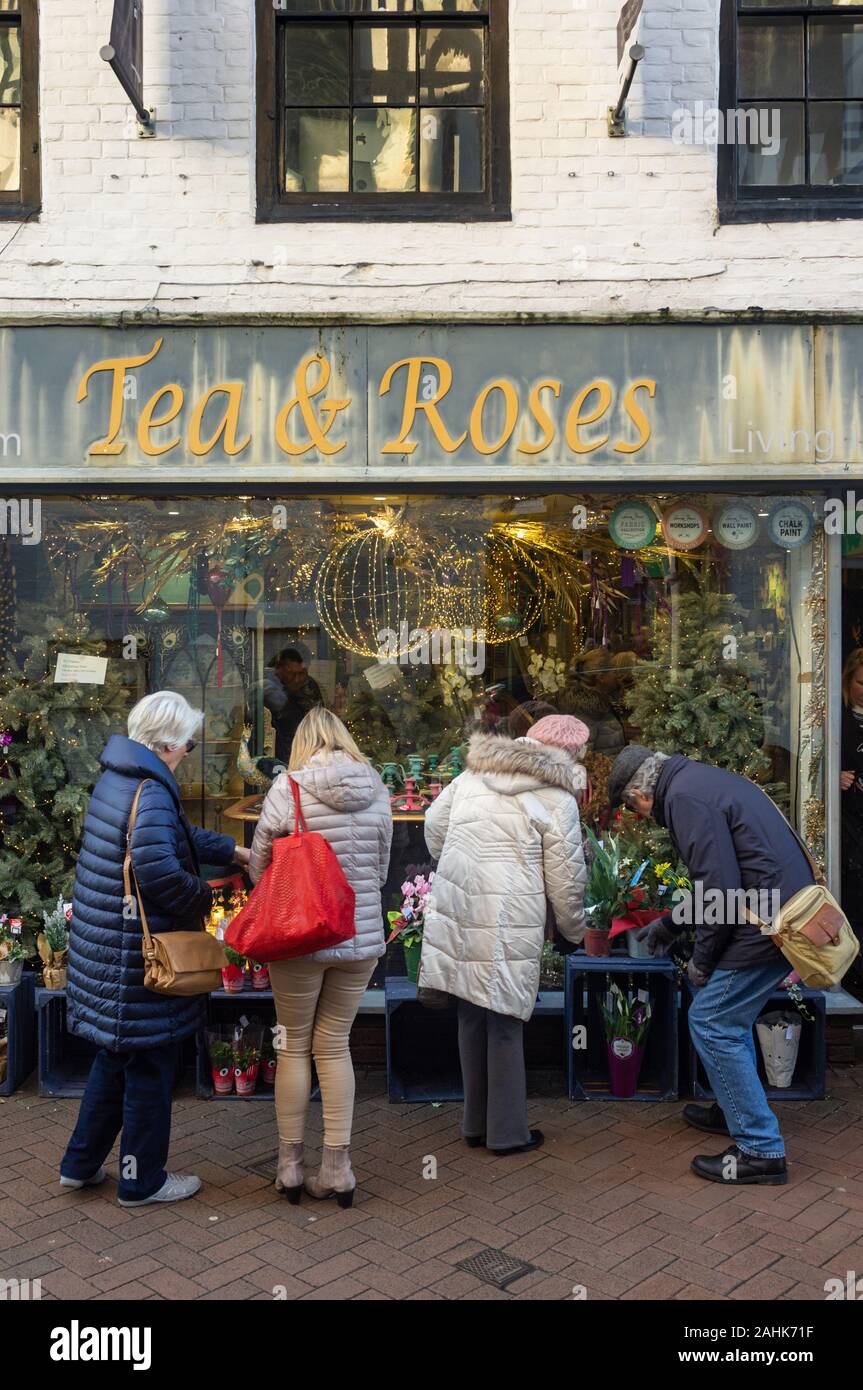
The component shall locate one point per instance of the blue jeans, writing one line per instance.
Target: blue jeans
(721, 1018)
(128, 1091)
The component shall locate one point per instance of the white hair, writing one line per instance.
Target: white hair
(645, 778)
(164, 721)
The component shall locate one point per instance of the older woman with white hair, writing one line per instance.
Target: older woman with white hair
(136, 1031)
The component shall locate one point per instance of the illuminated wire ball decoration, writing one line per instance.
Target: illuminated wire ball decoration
(370, 582)
(492, 587)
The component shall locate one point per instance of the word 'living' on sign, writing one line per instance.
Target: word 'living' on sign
(309, 417)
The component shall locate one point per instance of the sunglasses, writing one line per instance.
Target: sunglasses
(191, 746)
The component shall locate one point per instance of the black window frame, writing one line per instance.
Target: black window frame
(19, 203)
(804, 203)
(275, 205)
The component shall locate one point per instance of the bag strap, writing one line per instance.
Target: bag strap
(147, 948)
(300, 826)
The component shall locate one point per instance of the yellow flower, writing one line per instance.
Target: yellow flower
(661, 869)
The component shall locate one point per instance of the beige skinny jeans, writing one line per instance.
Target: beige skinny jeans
(316, 1005)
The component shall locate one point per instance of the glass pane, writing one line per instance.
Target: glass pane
(835, 59)
(10, 64)
(316, 65)
(10, 149)
(452, 6)
(13, 5)
(316, 151)
(451, 153)
(775, 156)
(385, 63)
(383, 6)
(451, 64)
(770, 58)
(836, 142)
(385, 151)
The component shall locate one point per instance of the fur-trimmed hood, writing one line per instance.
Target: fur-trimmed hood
(512, 766)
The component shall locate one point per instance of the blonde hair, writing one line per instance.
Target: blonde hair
(321, 732)
(852, 664)
(163, 721)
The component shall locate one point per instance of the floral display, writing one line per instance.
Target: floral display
(547, 674)
(626, 1020)
(406, 922)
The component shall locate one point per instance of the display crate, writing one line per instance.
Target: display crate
(422, 1043)
(810, 1073)
(18, 1001)
(586, 982)
(64, 1060)
(225, 1008)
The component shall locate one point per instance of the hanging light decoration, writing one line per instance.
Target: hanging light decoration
(373, 581)
(491, 586)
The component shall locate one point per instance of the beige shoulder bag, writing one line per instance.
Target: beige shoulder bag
(176, 962)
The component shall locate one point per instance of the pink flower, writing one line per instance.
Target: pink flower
(407, 889)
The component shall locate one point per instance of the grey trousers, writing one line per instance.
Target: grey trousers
(491, 1050)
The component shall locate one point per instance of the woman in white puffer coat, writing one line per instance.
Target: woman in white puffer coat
(317, 996)
(507, 835)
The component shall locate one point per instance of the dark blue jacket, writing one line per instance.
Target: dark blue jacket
(107, 1002)
(730, 835)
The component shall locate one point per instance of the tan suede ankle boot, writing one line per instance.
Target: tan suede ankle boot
(289, 1172)
(335, 1176)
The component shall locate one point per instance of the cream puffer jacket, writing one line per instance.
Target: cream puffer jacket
(347, 803)
(508, 839)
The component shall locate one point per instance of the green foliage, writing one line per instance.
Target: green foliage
(48, 771)
(625, 1016)
(693, 698)
(408, 716)
(56, 928)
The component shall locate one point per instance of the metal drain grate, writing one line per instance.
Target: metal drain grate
(266, 1167)
(495, 1267)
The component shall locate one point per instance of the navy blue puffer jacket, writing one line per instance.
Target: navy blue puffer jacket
(107, 1002)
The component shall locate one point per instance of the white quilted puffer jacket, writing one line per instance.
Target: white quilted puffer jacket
(508, 839)
(347, 803)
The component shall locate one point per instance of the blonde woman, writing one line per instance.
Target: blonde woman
(317, 996)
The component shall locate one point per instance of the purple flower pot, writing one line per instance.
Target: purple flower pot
(624, 1067)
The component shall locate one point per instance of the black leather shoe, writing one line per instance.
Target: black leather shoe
(735, 1168)
(474, 1141)
(707, 1117)
(536, 1141)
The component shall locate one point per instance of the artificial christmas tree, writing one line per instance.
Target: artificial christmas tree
(49, 765)
(698, 694)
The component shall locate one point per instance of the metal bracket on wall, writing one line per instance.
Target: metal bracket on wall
(147, 129)
(617, 114)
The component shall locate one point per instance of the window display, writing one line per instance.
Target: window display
(690, 623)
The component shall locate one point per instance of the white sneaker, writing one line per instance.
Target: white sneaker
(175, 1188)
(97, 1178)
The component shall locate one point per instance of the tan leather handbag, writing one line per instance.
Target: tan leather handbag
(178, 963)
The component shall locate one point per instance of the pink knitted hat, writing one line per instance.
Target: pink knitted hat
(561, 730)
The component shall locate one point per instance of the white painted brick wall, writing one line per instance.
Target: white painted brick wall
(599, 225)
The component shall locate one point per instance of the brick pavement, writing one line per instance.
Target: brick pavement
(609, 1204)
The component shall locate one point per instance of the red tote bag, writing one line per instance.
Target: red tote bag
(303, 902)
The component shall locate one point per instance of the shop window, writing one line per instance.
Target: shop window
(791, 97)
(19, 113)
(382, 108)
(694, 624)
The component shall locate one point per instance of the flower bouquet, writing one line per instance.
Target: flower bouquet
(626, 1020)
(13, 950)
(53, 944)
(406, 922)
(604, 894)
(234, 973)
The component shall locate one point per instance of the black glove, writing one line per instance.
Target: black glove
(656, 933)
(696, 977)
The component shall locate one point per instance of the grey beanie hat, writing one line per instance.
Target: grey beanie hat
(623, 769)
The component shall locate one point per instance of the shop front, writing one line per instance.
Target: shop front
(439, 525)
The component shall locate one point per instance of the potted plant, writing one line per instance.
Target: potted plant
(626, 1020)
(406, 922)
(234, 973)
(247, 1059)
(268, 1059)
(221, 1051)
(602, 894)
(13, 950)
(260, 975)
(52, 944)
